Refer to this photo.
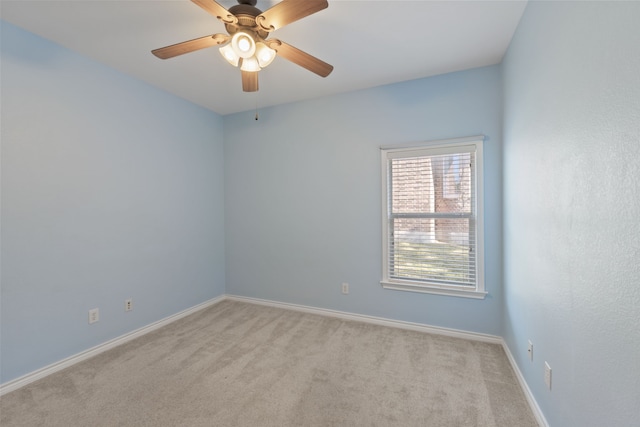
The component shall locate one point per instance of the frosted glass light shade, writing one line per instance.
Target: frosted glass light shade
(264, 54)
(230, 55)
(243, 44)
(250, 64)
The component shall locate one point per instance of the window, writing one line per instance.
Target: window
(432, 218)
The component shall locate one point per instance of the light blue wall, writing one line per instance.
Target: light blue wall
(303, 196)
(572, 208)
(111, 189)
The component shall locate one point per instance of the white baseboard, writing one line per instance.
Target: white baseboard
(533, 404)
(456, 333)
(94, 351)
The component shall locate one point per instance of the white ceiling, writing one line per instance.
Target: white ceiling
(369, 42)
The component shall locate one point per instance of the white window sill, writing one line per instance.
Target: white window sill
(439, 290)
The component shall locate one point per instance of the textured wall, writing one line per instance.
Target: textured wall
(110, 190)
(572, 203)
(303, 196)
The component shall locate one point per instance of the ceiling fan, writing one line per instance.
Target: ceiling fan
(247, 43)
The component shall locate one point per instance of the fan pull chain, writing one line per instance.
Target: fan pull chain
(256, 106)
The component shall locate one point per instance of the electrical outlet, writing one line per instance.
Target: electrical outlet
(345, 288)
(128, 304)
(547, 375)
(530, 351)
(94, 315)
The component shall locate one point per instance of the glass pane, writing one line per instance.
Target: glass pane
(431, 184)
(436, 250)
(454, 175)
(412, 189)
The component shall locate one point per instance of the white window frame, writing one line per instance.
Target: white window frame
(430, 148)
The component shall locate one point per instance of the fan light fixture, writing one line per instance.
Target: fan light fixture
(243, 44)
(264, 54)
(230, 55)
(250, 64)
(255, 56)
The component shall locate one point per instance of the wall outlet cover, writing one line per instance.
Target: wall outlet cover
(94, 315)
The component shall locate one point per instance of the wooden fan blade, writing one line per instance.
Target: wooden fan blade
(300, 58)
(250, 81)
(288, 11)
(217, 10)
(190, 46)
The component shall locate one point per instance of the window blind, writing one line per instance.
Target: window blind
(431, 216)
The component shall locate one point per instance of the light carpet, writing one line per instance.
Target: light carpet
(241, 364)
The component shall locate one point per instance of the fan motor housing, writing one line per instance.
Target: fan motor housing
(246, 15)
